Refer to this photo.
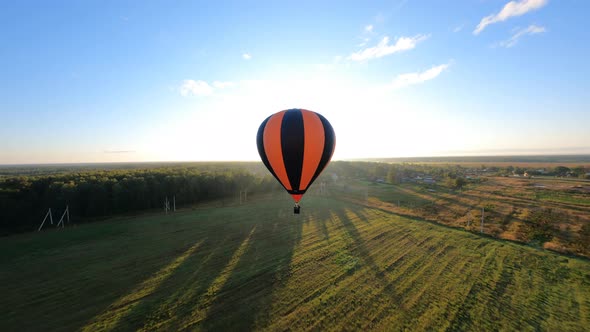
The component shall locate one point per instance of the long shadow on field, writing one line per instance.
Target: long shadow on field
(455, 200)
(180, 294)
(323, 218)
(119, 286)
(432, 217)
(186, 292)
(347, 218)
(189, 296)
(123, 312)
(245, 299)
(365, 239)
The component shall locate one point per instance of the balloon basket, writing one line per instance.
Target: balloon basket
(296, 209)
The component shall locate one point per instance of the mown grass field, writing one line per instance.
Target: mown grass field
(508, 202)
(337, 266)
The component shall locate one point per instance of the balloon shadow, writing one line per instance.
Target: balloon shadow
(245, 299)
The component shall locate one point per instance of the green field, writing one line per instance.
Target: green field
(337, 266)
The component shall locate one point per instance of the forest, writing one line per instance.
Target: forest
(91, 192)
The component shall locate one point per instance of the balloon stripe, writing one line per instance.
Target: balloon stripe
(292, 144)
(329, 146)
(314, 146)
(273, 148)
(261, 152)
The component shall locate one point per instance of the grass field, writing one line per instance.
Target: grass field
(508, 202)
(337, 266)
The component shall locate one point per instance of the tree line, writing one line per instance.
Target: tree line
(98, 191)
(91, 194)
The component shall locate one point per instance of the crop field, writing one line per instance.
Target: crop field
(509, 206)
(337, 266)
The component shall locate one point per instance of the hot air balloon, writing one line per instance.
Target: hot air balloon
(296, 145)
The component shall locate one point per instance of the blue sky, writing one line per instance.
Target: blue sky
(100, 81)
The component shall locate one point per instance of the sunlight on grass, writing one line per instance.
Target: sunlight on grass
(315, 265)
(337, 266)
(210, 296)
(119, 309)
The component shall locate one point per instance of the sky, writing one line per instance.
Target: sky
(129, 81)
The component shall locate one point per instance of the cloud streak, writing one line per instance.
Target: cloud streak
(384, 48)
(407, 79)
(511, 9)
(202, 88)
(246, 56)
(195, 88)
(531, 30)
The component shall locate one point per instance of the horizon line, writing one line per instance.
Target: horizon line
(249, 161)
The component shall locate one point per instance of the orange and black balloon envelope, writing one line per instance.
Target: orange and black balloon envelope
(296, 145)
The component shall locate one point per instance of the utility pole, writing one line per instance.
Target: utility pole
(50, 219)
(66, 213)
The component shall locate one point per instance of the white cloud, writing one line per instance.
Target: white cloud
(246, 56)
(195, 88)
(458, 28)
(369, 28)
(223, 85)
(531, 30)
(418, 77)
(511, 9)
(383, 48)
